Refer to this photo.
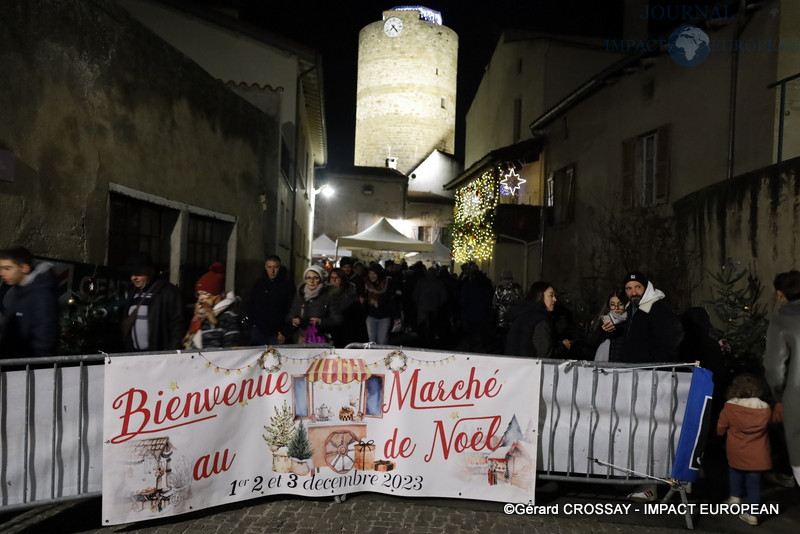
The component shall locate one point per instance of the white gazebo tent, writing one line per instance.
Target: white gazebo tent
(440, 254)
(324, 247)
(383, 236)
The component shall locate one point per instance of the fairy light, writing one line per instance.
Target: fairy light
(473, 227)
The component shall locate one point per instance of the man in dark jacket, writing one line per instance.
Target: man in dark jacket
(651, 326)
(155, 318)
(269, 303)
(30, 316)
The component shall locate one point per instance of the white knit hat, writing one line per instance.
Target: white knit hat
(323, 274)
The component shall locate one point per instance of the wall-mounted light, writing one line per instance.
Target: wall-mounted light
(326, 191)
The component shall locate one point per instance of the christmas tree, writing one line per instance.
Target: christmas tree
(299, 447)
(281, 428)
(741, 321)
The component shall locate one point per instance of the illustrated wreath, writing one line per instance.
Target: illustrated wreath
(270, 360)
(396, 361)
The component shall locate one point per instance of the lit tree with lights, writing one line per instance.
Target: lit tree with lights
(473, 226)
(743, 321)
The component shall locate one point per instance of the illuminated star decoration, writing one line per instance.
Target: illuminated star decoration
(173, 386)
(511, 182)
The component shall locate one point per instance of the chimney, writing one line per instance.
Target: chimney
(391, 163)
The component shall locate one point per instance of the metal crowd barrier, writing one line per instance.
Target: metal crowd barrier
(599, 423)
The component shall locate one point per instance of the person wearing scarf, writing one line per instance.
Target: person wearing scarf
(216, 317)
(313, 305)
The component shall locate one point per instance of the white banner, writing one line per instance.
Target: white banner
(188, 431)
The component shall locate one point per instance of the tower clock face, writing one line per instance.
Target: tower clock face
(393, 26)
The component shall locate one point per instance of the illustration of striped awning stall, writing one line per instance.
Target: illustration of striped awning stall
(343, 370)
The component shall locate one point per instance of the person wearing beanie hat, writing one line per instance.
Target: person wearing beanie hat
(216, 316)
(651, 329)
(635, 276)
(650, 336)
(155, 319)
(313, 305)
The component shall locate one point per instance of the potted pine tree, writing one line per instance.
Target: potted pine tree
(278, 435)
(300, 452)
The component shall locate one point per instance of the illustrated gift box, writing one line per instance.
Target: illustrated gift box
(384, 465)
(365, 455)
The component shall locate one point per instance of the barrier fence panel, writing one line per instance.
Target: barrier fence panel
(50, 429)
(610, 423)
(601, 423)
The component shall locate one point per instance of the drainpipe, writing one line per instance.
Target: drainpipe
(740, 24)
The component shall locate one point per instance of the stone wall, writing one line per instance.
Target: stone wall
(90, 100)
(753, 219)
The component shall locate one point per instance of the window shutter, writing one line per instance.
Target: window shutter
(628, 169)
(663, 147)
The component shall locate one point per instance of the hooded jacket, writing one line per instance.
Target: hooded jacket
(650, 335)
(31, 324)
(746, 424)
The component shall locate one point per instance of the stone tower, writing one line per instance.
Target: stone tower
(406, 95)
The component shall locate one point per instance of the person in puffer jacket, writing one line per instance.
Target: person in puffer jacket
(745, 421)
(215, 322)
(29, 323)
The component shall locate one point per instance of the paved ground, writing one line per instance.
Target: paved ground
(371, 513)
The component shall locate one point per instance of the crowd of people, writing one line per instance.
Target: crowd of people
(431, 307)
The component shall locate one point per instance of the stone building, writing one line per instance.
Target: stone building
(278, 76)
(651, 164)
(406, 93)
(113, 140)
(525, 76)
(405, 130)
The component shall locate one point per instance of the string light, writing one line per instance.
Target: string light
(473, 226)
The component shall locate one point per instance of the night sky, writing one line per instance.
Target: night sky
(332, 29)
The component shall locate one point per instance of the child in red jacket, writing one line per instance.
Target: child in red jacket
(745, 419)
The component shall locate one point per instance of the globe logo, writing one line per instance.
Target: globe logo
(688, 46)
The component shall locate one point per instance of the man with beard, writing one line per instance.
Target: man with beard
(650, 335)
(649, 338)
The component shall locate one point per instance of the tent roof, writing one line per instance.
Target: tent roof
(440, 253)
(383, 236)
(324, 246)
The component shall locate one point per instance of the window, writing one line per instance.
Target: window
(139, 226)
(425, 234)
(207, 243)
(560, 195)
(645, 168)
(374, 401)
